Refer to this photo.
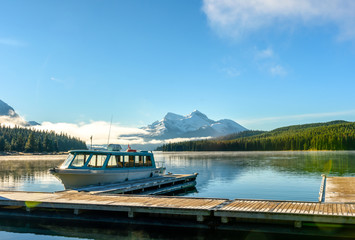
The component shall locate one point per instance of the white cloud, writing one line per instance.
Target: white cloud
(99, 130)
(174, 140)
(267, 60)
(299, 117)
(12, 121)
(239, 17)
(231, 72)
(266, 53)
(56, 80)
(278, 70)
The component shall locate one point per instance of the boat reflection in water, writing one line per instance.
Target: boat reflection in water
(98, 167)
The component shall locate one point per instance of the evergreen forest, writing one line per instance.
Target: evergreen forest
(335, 135)
(19, 139)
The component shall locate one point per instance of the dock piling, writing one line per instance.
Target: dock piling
(130, 214)
(224, 220)
(298, 224)
(200, 218)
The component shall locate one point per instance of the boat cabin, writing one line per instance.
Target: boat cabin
(86, 159)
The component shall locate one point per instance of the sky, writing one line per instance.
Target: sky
(262, 63)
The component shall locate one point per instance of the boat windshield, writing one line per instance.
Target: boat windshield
(80, 160)
(66, 163)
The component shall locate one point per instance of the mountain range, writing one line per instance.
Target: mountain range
(193, 125)
(8, 114)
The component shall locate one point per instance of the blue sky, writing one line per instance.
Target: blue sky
(264, 64)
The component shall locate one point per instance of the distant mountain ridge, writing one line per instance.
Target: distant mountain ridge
(195, 124)
(8, 112)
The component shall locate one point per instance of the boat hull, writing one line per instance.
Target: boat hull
(74, 178)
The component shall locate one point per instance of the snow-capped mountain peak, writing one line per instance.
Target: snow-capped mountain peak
(173, 116)
(197, 113)
(195, 124)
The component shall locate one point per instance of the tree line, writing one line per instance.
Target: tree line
(20, 139)
(336, 135)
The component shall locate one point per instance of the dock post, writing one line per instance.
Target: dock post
(200, 218)
(77, 211)
(224, 219)
(298, 224)
(322, 188)
(130, 214)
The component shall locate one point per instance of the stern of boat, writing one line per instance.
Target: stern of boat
(162, 170)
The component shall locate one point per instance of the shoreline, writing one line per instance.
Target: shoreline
(31, 154)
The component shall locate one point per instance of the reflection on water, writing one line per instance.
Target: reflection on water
(254, 175)
(260, 175)
(12, 228)
(29, 173)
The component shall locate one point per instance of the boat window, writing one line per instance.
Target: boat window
(67, 161)
(80, 160)
(97, 161)
(131, 161)
(136, 161)
(139, 161)
(115, 161)
(148, 161)
(125, 161)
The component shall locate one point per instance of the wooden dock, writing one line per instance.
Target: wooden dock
(211, 213)
(219, 212)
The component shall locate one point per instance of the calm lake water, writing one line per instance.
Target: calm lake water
(247, 175)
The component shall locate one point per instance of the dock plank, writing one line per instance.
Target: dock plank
(285, 207)
(279, 207)
(340, 189)
(258, 205)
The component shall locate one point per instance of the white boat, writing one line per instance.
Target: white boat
(92, 167)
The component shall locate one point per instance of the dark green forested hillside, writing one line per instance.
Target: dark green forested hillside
(26, 140)
(243, 134)
(336, 135)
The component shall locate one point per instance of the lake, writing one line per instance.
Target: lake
(246, 175)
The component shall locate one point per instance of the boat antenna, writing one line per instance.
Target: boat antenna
(91, 141)
(109, 132)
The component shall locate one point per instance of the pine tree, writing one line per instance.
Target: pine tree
(2, 144)
(30, 144)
